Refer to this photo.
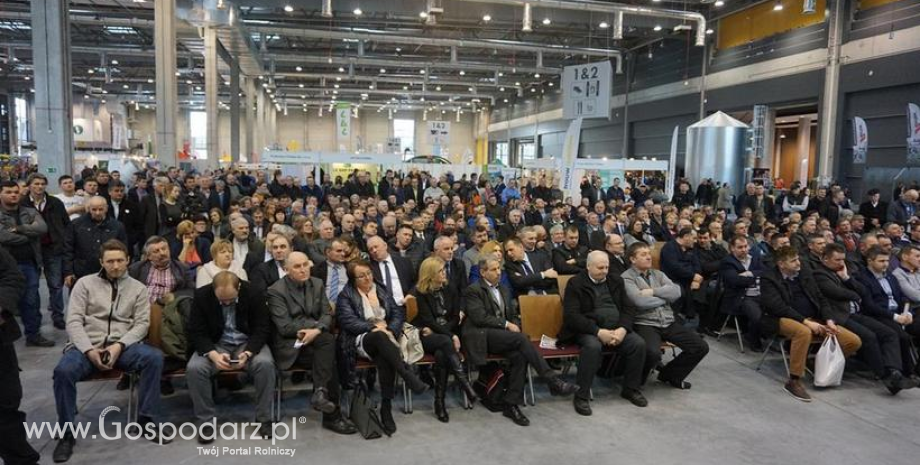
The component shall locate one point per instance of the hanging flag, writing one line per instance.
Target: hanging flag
(860, 140)
(569, 153)
(913, 134)
(672, 165)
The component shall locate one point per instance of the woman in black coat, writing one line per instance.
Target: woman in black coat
(369, 324)
(438, 321)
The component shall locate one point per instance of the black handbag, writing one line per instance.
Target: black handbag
(364, 415)
(491, 387)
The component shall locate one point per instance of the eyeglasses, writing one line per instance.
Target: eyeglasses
(364, 276)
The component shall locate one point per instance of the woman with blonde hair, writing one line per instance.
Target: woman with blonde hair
(438, 321)
(222, 251)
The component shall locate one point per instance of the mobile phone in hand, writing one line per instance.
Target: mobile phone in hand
(234, 361)
(105, 357)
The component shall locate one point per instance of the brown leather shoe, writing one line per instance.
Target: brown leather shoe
(795, 389)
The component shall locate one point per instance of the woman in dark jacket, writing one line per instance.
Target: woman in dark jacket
(188, 247)
(369, 323)
(438, 321)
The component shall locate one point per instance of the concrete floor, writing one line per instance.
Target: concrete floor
(733, 415)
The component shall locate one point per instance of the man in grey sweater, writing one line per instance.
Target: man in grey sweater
(653, 293)
(107, 320)
(908, 275)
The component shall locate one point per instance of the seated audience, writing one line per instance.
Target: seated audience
(106, 335)
(302, 315)
(596, 316)
(492, 326)
(652, 293)
(438, 321)
(370, 324)
(740, 273)
(228, 329)
(880, 344)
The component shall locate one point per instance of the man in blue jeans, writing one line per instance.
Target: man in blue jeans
(21, 229)
(55, 215)
(107, 320)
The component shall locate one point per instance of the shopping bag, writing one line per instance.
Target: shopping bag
(829, 363)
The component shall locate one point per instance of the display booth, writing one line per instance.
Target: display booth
(607, 169)
(300, 164)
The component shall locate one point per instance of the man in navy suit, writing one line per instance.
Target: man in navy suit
(885, 302)
(740, 272)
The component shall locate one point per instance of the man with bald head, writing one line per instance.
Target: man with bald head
(394, 271)
(598, 316)
(85, 235)
(303, 336)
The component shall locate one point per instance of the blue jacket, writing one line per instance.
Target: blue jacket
(679, 265)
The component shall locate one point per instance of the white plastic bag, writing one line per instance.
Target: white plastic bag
(829, 363)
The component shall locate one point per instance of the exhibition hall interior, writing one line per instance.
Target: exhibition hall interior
(459, 231)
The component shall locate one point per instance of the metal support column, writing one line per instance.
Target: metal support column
(212, 96)
(827, 123)
(235, 111)
(53, 107)
(250, 118)
(166, 87)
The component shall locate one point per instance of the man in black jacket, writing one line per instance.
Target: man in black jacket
(457, 277)
(228, 329)
(126, 212)
(709, 254)
(597, 315)
(268, 272)
(794, 308)
(55, 215)
(492, 326)
(83, 238)
(527, 278)
(14, 448)
(740, 273)
(571, 258)
(615, 247)
(874, 210)
(881, 348)
(680, 264)
(150, 207)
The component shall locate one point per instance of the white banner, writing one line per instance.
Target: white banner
(586, 90)
(913, 134)
(860, 140)
(569, 184)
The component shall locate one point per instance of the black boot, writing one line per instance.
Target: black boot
(413, 382)
(456, 366)
(386, 416)
(440, 389)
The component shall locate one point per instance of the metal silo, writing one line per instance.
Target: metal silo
(716, 148)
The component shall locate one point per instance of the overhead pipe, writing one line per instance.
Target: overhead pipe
(594, 6)
(411, 93)
(528, 18)
(385, 37)
(398, 80)
(378, 62)
(618, 26)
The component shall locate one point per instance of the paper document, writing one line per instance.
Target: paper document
(547, 342)
(298, 344)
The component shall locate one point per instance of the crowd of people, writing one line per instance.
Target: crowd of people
(261, 273)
